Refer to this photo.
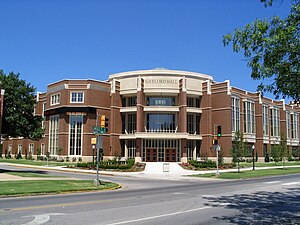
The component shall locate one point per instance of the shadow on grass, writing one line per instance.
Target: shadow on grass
(24, 171)
(261, 207)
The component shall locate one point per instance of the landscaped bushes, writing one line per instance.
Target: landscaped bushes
(109, 164)
(204, 164)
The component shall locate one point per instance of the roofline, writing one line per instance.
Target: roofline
(67, 79)
(159, 72)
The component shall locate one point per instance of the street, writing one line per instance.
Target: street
(272, 200)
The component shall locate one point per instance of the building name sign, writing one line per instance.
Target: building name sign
(161, 81)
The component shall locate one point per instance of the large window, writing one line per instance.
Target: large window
(288, 124)
(77, 97)
(53, 134)
(235, 114)
(265, 120)
(161, 122)
(131, 148)
(31, 148)
(42, 149)
(55, 99)
(275, 127)
(192, 147)
(128, 123)
(75, 135)
(193, 123)
(161, 101)
(249, 118)
(193, 102)
(129, 101)
(20, 148)
(294, 126)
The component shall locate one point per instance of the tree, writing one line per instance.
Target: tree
(271, 49)
(18, 110)
(238, 148)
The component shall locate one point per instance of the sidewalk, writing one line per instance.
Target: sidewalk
(158, 170)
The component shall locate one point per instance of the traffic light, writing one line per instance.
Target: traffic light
(104, 122)
(219, 131)
(215, 141)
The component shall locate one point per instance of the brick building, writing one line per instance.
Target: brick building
(157, 115)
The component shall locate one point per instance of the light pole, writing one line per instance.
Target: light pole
(253, 149)
(93, 149)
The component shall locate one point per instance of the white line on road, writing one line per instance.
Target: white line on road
(291, 183)
(159, 216)
(42, 218)
(273, 182)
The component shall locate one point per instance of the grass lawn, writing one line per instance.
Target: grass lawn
(36, 163)
(30, 174)
(269, 164)
(251, 173)
(30, 187)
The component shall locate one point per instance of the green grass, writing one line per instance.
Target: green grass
(251, 173)
(36, 163)
(270, 164)
(32, 187)
(30, 174)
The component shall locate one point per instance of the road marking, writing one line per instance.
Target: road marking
(42, 218)
(225, 204)
(291, 183)
(64, 204)
(160, 216)
(178, 193)
(273, 182)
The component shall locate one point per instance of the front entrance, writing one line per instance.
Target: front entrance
(157, 150)
(170, 155)
(151, 155)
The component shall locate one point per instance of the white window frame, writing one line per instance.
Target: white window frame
(20, 146)
(55, 99)
(10, 148)
(31, 148)
(235, 114)
(249, 117)
(76, 96)
(265, 120)
(76, 135)
(53, 134)
(294, 126)
(275, 122)
(288, 124)
(43, 149)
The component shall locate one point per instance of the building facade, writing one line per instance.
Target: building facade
(157, 115)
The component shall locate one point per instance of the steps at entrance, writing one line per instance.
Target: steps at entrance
(163, 168)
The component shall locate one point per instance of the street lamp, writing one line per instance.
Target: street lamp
(93, 149)
(253, 149)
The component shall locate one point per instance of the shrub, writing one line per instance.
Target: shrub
(19, 156)
(205, 164)
(267, 157)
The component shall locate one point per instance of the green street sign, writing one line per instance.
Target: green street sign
(99, 130)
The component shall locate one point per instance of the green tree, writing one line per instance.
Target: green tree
(238, 148)
(271, 49)
(18, 111)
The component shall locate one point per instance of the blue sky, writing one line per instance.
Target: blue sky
(49, 40)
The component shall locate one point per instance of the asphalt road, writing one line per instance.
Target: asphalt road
(273, 200)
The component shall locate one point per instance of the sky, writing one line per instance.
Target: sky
(50, 40)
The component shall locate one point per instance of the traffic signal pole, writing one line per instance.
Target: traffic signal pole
(99, 131)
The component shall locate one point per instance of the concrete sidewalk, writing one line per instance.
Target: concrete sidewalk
(154, 170)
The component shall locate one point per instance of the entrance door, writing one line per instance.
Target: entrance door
(170, 155)
(151, 155)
